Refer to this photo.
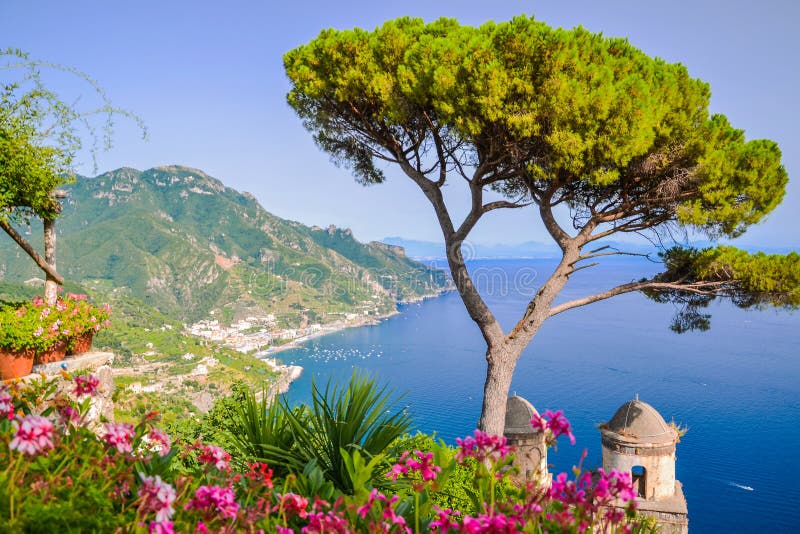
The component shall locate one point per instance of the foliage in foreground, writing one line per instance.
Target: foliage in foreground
(360, 417)
(59, 474)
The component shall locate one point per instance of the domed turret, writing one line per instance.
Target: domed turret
(637, 440)
(638, 422)
(531, 455)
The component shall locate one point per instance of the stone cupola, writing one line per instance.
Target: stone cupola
(637, 440)
(531, 449)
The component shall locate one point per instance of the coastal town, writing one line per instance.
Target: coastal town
(262, 336)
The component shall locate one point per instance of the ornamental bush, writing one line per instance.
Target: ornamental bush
(59, 473)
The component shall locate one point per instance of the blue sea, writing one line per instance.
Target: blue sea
(736, 387)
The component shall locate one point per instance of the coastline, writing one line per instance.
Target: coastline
(290, 373)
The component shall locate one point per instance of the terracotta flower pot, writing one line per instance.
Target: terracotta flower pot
(55, 354)
(15, 363)
(81, 343)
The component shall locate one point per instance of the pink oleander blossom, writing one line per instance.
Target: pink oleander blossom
(555, 422)
(119, 435)
(160, 441)
(34, 435)
(86, 385)
(482, 447)
(216, 456)
(215, 501)
(157, 496)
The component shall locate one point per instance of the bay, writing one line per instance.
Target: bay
(736, 387)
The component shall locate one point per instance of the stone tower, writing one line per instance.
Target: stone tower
(637, 440)
(531, 455)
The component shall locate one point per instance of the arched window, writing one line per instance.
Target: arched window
(639, 478)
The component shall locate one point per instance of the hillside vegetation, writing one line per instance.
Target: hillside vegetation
(180, 241)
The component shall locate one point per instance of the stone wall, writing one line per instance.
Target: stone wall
(97, 363)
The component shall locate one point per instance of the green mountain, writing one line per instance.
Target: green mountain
(180, 241)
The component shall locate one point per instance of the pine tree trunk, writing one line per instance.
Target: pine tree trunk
(501, 363)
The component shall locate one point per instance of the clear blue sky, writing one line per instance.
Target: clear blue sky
(207, 79)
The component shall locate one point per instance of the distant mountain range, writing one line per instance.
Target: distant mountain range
(536, 249)
(180, 241)
(434, 250)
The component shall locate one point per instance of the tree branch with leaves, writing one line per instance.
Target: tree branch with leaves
(40, 136)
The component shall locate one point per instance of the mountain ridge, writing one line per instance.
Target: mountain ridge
(182, 241)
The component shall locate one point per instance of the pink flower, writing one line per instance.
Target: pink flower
(445, 520)
(6, 403)
(157, 496)
(495, 522)
(61, 305)
(283, 530)
(119, 435)
(160, 439)
(570, 492)
(164, 527)
(420, 462)
(424, 465)
(38, 301)
(85, 385)
(614, 485)
(45, 312)
(374, 495)
(20, 312)
(259, 471)
(213, 455)
(482, 447)
(68, 414)
(215, 500)
(555, 422)
(38, 332)
(34, 434)
(323, 522)
(398, 469)
(293, 504)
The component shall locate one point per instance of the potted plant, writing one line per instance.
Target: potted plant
(83, 320)
(26, 331)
